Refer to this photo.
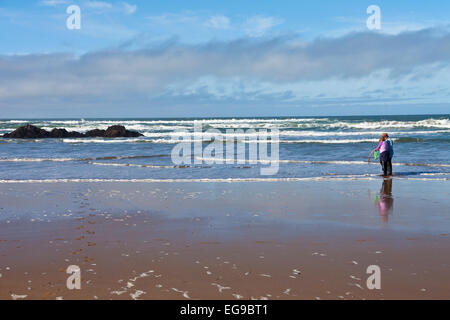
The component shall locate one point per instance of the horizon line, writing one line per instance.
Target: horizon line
(225, 117)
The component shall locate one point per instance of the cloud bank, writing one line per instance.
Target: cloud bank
(282, 68)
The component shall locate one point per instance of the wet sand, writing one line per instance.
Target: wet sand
(274, 240)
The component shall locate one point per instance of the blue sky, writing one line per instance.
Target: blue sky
(223, 58)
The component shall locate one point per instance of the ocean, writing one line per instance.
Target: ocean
(309, 148)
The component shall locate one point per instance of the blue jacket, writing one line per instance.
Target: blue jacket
(391, 147)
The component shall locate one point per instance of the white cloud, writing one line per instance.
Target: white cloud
(123, 7)
(174, 18)
(259, 25)
(53, 3)
(129, 8)
(218, 22)
(394, 26)
(357, 68)
(99, 5)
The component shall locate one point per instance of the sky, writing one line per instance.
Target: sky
(224, 58)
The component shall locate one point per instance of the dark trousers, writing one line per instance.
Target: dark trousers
(386, 163)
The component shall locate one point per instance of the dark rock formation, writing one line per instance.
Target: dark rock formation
(95, 133)
(120, 131)
(28, 132)
(32, 132)
(63, 133)
(113, 132)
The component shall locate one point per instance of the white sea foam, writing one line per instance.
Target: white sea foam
(220, 180)
(78, 159)
(203, 180)
(435, 174)
(385, 125)
(16, 121)
(38, 159)
(207, 137)
(177, 122)
(293, 161)
(324, 123)
(133, 165)
(339, 162)
(290, 133)
(106, 140)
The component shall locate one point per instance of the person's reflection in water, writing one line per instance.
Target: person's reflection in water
(384, 201)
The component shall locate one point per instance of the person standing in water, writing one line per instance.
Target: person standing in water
(384, 148)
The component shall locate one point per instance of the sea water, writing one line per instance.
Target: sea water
(309, 148)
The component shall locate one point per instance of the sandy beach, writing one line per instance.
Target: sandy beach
(244, 240)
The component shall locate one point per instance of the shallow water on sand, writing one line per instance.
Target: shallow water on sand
(225, 241)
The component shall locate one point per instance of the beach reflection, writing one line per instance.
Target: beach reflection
(384, 200)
